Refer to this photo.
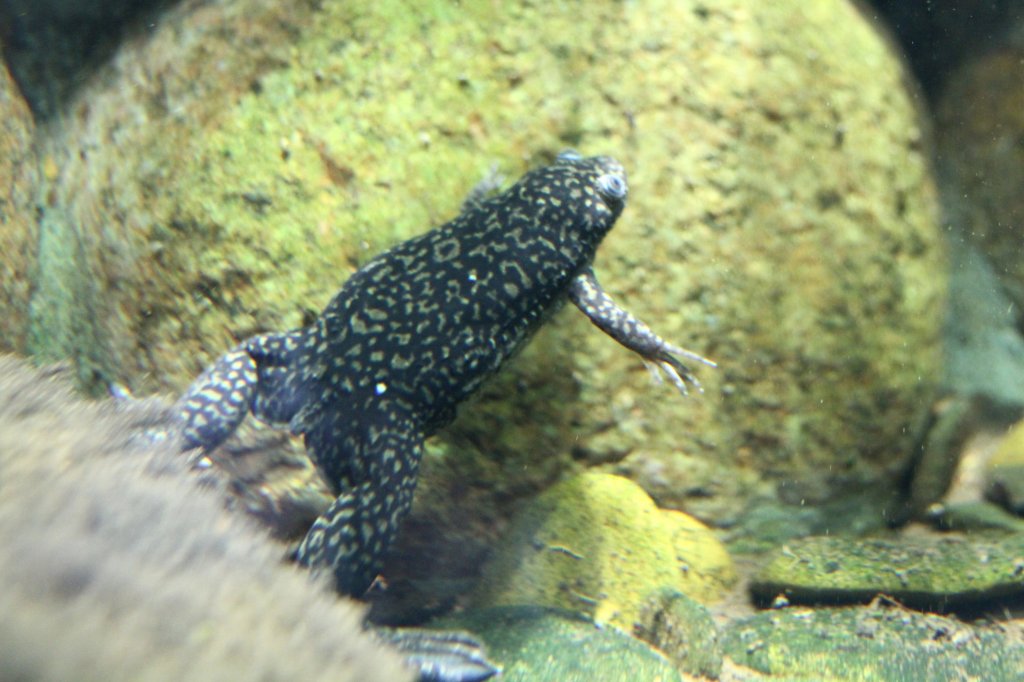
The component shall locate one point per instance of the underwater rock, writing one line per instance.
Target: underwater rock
(597, 544)
(935, 573)
(872, 644)
(18, 180)
(535, 644)
(979, 122)
(268, 475)
(982, 338)
(683, 630)
(1004, 472)
(229, 168)
(952, 421)
(940, 34)
(973, 517)
(52, 45)
(771, 523)
(118, 566)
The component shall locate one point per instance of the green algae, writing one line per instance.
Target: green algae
(64, 302)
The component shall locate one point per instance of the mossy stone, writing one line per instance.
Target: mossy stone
(1004, 471)
(19, 169)
(979, 121)
(534, 644)
(598, 545)
(683, 630)
(936, 573)
(874, 644)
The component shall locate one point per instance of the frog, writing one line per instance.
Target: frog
(410, 336)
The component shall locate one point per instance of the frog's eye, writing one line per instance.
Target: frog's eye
(612, 186)
(568, 155)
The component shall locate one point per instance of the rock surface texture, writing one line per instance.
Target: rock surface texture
(229, 168)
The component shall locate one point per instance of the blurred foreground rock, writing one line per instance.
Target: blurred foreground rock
(118, 566)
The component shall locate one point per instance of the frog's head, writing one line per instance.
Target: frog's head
(601, 179)
(579, 197)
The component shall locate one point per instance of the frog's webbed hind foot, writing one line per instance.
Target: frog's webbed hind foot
(658, 355)
(440, 655)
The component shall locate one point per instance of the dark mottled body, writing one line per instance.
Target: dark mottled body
(412, 334)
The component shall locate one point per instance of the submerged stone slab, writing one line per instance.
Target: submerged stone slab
(683, 630)
(872, 644)
(936, 573)
(975, 516)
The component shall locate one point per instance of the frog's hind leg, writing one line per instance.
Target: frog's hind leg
(217, 401)
(283, 379)
(256, 375)
(372, 456)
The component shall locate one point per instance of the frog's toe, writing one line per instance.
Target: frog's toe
(678, 373)
(672, 349)
(665, 359)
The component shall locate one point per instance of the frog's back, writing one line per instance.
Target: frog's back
(427, 321)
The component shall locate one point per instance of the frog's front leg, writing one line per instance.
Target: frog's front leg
(621, 325)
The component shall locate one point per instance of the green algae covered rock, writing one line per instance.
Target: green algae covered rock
(232, 166)
(534, 644)
(683, 630)
(1004, 471)
(934, 573)
(872, 644)
(18, 177)
(597, 544)
(953, 420)
(979, 121)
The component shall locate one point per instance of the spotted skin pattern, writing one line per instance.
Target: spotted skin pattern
(409, 337)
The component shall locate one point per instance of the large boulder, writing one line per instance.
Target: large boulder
(231, 168)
